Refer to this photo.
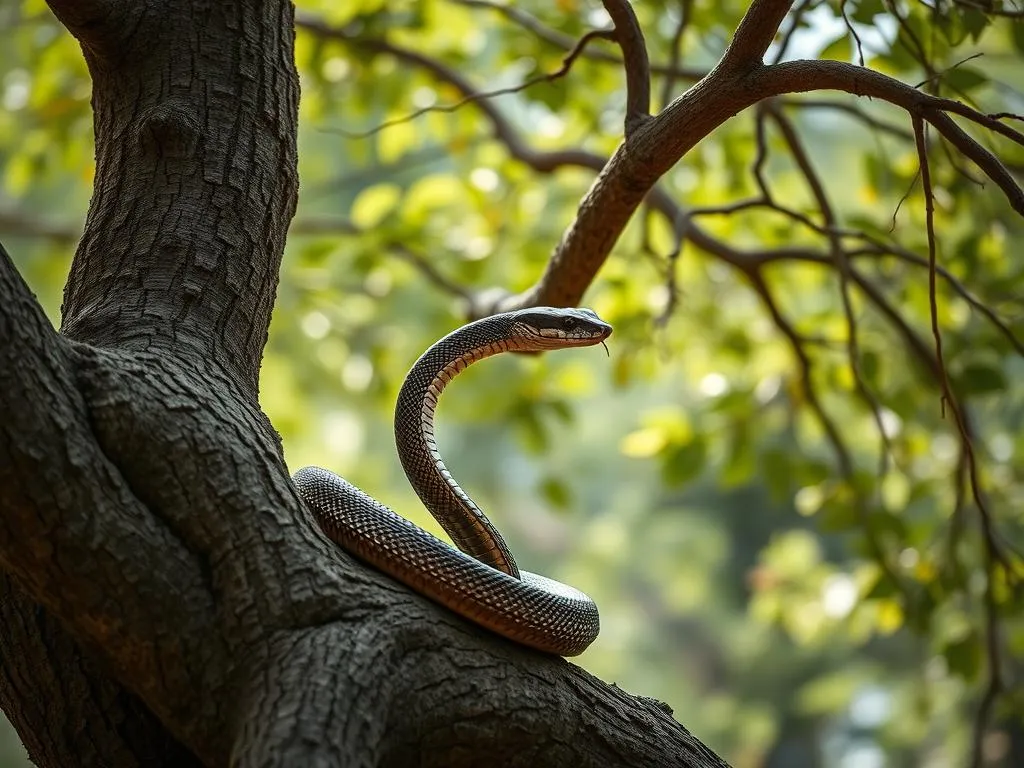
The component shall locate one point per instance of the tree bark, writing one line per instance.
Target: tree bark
(166, 599)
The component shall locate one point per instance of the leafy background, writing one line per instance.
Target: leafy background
(686, 481)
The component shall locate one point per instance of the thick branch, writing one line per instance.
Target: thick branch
(499, 703)
(72, 533)
(662, 141)
(101, 722)
(181, 255)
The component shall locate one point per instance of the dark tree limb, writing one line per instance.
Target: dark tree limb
(434, 695)
(652, 149)
(150, 273)
(803, 76)
(659, 144)
(100, 722)
(76, 538)
(634, 55)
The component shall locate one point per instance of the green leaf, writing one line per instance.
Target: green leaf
(374, 203)
(979, 378)
(976, 21)
(839, 49)
(964, 79)
(964, 656)
(1017, 35)
(555, 492)
(777, 473)
(683, 463)
(866, 10)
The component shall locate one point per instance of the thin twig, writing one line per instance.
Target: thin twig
(795, 17)
(668, 84)
(853, 110)
(929, 210)
(994, 684)
(549, 77)
(842, 262)
(853, 31)
(561, 40)
(832, 433)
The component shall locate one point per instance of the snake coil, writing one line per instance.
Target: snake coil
(481, 582)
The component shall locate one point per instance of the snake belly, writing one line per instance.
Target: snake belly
(480, 580)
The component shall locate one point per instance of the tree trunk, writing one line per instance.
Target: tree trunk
(166, 599)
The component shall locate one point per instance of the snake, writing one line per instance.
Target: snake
(479, 580)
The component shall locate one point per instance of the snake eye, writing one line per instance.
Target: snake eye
(569, 323)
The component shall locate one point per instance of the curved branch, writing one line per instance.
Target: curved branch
(634, 55)
(504, 131)
(803, 76)
(663, 140)
(475, 96)
(828, 424)
(672, 70)
(841, 260)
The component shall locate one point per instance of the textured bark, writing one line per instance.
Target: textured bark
(66, 707)
(165, 598)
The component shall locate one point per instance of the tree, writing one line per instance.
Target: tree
(162, 580)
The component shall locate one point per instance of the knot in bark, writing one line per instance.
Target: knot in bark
(170, 130)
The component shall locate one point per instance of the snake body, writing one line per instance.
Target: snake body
(481, 582)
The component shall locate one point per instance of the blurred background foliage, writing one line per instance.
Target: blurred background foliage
(793, 610)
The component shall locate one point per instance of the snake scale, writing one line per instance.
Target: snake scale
(479, 581)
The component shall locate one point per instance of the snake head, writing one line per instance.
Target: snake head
(540, 328)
